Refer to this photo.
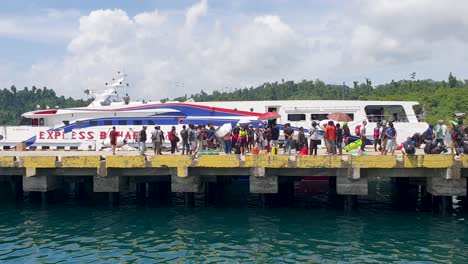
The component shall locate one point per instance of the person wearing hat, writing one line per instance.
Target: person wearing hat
(142, 142)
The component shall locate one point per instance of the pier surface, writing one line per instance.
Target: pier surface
(46, 171)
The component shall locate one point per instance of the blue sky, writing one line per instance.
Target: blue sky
(210, 44)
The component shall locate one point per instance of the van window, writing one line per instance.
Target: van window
(296, 117)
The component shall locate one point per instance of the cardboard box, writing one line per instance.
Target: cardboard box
(20, 147)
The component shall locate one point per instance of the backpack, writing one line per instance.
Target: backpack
(357, 130)
(409, 148)
(376, 132)
(170, 135)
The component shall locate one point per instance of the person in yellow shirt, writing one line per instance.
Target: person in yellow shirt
(243, 138)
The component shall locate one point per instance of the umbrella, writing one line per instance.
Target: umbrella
(224, 130)
(244, 121)
(340, 117)
(269, 116)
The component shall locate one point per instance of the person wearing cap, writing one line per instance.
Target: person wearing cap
(142, 142)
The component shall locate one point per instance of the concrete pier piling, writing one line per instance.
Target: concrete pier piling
(155, 177)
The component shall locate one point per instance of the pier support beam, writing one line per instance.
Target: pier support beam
(350, 182)
(439, 186)
(186, 184)
(267, 184)
(261, 183)
(42, 183)
(109, 184)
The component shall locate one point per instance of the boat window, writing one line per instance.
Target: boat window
(93, 123)
(320, 117)
(137, 122)
(272, 109)
(108, 122)
(79, 123)
(377, 113)
(296, 117)
(151, 122)
(122, 122)
(66, 122)
(41, 121)
(27, 121)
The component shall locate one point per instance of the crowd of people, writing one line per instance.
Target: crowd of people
(244, 139)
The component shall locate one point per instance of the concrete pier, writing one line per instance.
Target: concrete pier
(153, 177)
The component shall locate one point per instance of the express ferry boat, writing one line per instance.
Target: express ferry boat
(87, 128)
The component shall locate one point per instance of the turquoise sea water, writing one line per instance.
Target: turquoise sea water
(238, 231)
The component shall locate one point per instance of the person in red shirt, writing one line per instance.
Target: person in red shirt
(113, 139)
(330, 135)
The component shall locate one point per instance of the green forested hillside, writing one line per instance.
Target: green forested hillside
(14, 102)
(441, 98)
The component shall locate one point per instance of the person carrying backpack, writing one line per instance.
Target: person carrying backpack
(173, 138)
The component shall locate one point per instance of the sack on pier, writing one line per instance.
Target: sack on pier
(437, 150)
(237, 149)
(428, 147)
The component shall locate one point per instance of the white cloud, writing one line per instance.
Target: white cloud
(195, 12)
(365, 38)
(47, 25)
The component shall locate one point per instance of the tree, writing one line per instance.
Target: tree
(452, 81)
